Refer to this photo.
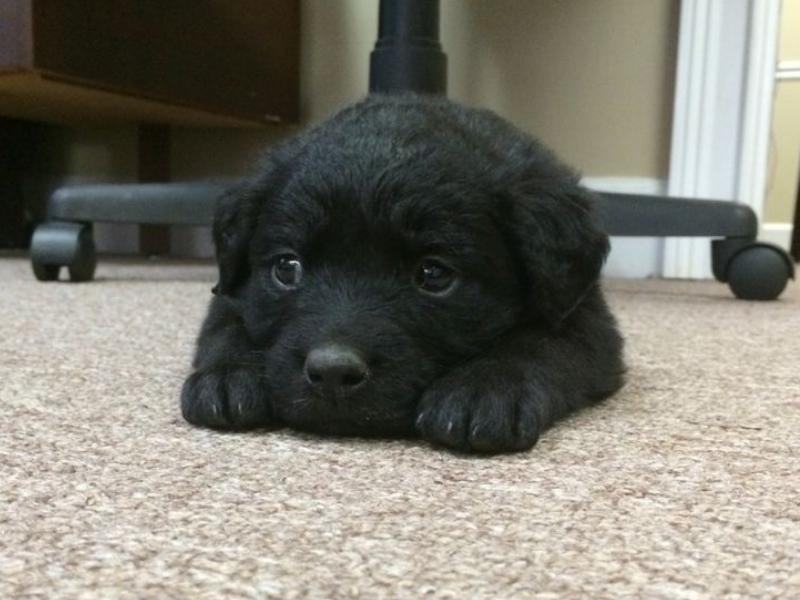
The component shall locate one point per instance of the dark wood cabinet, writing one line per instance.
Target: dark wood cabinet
(205, 62)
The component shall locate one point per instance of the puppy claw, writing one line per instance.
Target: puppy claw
(420, 420)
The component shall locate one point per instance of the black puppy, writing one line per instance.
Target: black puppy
(410, 265)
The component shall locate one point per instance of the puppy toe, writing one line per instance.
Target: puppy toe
(443, 421)
(202, 400)
(245, 400)
(491, 427)
(526, 426)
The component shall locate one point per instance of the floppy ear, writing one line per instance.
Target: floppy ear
(233, 227)
(560, 245)
(236, 215)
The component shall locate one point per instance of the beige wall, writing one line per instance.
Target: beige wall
(789, 45)
(784, 159)
(591, 78)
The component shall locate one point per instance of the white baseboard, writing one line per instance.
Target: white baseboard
(116, 238)
(779, 234)
(191, 242)
(631, 257)
(626, 185)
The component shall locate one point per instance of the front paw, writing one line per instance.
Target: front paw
(225, 398)
(474, 411)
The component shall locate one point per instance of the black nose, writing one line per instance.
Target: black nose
(335, 369)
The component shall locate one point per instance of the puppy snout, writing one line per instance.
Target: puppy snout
(335, 369)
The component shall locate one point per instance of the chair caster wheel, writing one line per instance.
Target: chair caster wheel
(60, 244)
(44, 272)
(759, 271)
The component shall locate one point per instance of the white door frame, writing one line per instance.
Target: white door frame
(724, 85)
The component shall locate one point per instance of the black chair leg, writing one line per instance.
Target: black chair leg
(65, 240)
(753, 270)
(408, 55)
(57, 244)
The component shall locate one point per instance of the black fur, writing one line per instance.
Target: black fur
(523, 338)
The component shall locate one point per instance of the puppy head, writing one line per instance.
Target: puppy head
(363, 272)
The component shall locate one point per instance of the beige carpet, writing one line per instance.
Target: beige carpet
(685, 485)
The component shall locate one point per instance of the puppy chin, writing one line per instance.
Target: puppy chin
(329, 417)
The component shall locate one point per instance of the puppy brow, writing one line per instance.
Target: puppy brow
(288, 223)
(278, 235)
(432, 228)
(470, 241)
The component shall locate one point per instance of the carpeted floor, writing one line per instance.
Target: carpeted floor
(685, 485)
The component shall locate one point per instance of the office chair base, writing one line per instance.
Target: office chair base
(66, 239)
(753, 270)
(59, 244)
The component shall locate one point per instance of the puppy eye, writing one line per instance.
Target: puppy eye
(287, 271)
(434, 277)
